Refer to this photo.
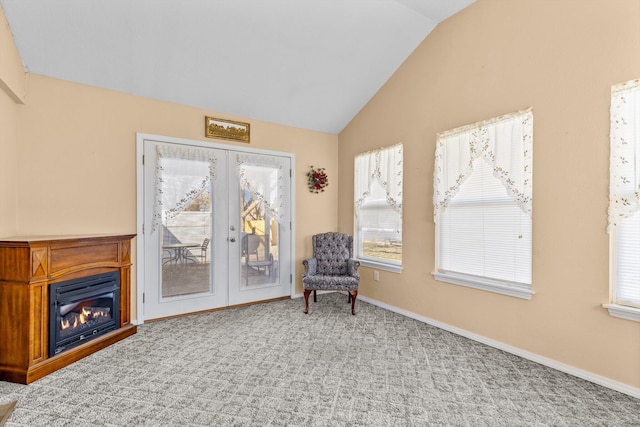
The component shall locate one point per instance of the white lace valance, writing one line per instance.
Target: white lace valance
(624, 184)
(385, 167)
(263, 177)
(182, 174)
(504, 142)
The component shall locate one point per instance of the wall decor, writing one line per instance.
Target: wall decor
(317, 180)
(226, 129)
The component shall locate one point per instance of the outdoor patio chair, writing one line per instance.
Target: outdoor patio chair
(203, 250)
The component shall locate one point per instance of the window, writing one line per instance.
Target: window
(624, 201)
(483, 205)
(378, 208)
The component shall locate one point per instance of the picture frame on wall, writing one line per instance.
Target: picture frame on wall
(227, 129)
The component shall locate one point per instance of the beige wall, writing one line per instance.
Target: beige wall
(11, 69)
(8, 168)
(495, 57)
(11, 92)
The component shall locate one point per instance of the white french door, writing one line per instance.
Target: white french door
(217, 227)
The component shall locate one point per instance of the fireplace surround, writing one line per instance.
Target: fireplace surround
(32, 269)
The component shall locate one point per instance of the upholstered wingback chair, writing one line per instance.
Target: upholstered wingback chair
(331, 268)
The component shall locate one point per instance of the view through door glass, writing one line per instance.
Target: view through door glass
(260, 226)
(186, 227)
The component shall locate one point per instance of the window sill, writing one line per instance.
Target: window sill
(623, 312)
(484, 284)
(380, 266)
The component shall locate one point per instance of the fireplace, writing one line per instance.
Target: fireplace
(82, 309)
(49, 281)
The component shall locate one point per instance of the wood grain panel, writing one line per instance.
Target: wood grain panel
(125, 252)
(14, 263)
(125, 296)
(67, 259)
(39, 323)
(14, 323)
(39, 263)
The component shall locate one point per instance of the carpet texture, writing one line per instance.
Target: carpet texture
(272, 365)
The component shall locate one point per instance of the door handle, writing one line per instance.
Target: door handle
(232, 239)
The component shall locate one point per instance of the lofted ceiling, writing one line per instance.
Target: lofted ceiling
(311, 64)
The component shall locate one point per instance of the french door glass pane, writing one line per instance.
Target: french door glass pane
(186, 228)
(259, 233)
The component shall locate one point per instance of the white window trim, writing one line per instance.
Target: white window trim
(505, 288)
(380, 265)
(623, 312)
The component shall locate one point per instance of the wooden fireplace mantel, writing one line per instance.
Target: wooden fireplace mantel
(28, 265)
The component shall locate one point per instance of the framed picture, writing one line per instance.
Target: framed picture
(226, 129)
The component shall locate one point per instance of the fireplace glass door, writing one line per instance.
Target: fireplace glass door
(82, 309)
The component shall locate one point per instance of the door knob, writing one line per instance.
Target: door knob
(232, 239)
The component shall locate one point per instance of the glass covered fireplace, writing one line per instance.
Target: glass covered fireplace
(82, 309)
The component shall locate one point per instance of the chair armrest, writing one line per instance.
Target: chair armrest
(310, 266)
(353, 265)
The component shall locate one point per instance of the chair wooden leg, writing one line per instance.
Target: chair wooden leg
(315, 296)
(306, 300)
(353, 295)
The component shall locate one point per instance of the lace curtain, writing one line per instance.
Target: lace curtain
(384, 166)
(182, 174)
(262, 176)
(624, 186)
(505, 143)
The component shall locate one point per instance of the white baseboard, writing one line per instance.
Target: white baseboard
(585, 375)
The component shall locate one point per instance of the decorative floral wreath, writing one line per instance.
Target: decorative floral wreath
(317, 180)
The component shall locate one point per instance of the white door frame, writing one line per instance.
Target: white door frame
(140, 227)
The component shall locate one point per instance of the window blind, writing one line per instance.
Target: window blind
(627, 261)
(483, 232)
